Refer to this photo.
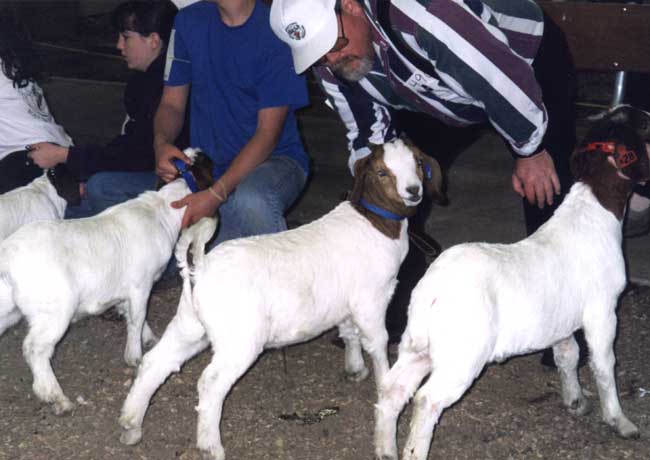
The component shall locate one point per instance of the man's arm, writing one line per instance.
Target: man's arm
(167, 125)
(270, 122)
(367, 121)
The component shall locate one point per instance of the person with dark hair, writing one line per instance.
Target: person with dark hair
(124, 167)
(25, 117)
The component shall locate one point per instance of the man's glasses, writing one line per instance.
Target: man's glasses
(341, 42)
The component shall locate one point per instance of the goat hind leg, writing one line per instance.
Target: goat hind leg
(600, 332)
(38, 348)
(355, 367)
(183, 338)
(566, 355)
(398, 387)
(216, 381)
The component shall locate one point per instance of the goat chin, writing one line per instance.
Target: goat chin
(55, 272)
(36, 201)
(481, 302)
(273, 290)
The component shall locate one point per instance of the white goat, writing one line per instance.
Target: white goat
(42, 199)
(275, 290)
(481, 302)
(56, 272)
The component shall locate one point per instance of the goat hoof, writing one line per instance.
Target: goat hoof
(579, 406)
(358, 376)
(131, 436)
(62, 407)
(210, 455)
(626, 429)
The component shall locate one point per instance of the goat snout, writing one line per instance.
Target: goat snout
(414, 194)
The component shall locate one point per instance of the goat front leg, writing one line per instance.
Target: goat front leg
(136, 312)
(355, 367)
(374, 337)
(38, 348)
(398, 387)
(566, 354)
(183, 338)
(600, 331)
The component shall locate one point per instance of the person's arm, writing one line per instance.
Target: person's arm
(476, 62)
(367, 121)
(270, 122)
(167, 125)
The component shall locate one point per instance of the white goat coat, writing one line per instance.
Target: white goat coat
(527, 295)
(35, 201)
(482, 302)
(299, 283)
(55, 272)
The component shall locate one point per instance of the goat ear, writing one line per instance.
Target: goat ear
(202, 170)
(434, 184)
(360, 173)
(578, 164)
(65, 184)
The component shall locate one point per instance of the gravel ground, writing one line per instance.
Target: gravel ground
(297, 405)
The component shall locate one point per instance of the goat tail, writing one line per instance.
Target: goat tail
(190, 249)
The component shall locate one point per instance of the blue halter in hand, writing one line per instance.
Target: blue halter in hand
(380, 211)
(187, 175)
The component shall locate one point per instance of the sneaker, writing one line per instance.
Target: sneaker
(637, 223)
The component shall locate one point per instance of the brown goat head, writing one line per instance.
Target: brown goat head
(613, 157)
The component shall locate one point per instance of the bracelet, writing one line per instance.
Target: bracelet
(223, 187)
(215, 194)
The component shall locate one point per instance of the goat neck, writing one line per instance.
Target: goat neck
(386, 219)
(43, 185)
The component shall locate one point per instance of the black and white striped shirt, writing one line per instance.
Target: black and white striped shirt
(481, 52)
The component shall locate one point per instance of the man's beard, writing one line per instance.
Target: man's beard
(353, 68)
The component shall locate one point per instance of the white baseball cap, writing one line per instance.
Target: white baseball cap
(309, 27)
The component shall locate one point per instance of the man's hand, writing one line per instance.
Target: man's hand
(165, 153)
(535, 179)
(199, 205)
(47, 155)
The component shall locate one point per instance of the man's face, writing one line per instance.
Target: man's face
(354, 61)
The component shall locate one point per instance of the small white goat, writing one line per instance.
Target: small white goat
(481, 302)
(42, 199)
(56, 272)
(275, 290)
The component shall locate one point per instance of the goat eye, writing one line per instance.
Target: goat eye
(382, 173)
(420, 162)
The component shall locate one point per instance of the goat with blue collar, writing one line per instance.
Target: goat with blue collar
(273, 290)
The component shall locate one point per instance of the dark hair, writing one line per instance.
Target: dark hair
(146, 17)
(20, 61)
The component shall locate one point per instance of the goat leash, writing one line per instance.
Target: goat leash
(187, 175)
(380, 211)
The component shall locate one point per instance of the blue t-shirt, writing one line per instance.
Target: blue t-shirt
(234, 72)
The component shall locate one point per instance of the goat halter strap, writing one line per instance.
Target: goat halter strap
(187, 175)
(622, 156)
(380, 211)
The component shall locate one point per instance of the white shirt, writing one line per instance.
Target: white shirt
(25, 118)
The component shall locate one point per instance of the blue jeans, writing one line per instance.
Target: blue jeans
(106, 189)
(258, 204)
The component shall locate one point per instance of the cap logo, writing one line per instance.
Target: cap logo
(295, 31)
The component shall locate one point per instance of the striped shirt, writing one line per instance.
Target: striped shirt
(481, 53)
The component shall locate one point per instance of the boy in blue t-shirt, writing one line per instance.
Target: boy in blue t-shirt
(243, 95)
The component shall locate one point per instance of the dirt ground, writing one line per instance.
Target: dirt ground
(298, 406)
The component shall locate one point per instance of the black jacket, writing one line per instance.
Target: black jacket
(133, 150)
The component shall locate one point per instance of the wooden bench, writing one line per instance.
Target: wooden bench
(611, 37)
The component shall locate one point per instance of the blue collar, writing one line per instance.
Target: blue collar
(187, 175)
(379, 211)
